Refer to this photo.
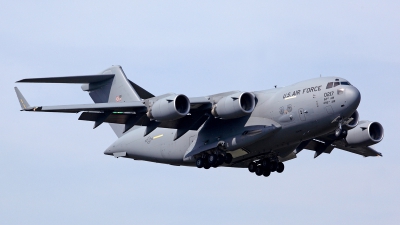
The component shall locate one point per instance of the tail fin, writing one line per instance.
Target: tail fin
(117, 89)
(22, 101)
(111, 85)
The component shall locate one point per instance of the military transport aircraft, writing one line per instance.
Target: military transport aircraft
(256, 130)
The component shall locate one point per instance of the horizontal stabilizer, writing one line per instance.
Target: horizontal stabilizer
(70, 80)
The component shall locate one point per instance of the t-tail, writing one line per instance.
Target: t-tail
(116, 89)
(110, 86)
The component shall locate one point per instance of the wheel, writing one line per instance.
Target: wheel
(280, 167)
(259, 170)
(228, 158)
(206, 165)
(343, 134)
(267, 172)
(220, 160)
(252, 167)
(212, 159)
(200, 163)
(338, 132)
(273, 166)
(265, 163)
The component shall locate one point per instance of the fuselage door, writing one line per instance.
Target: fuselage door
(302, 115)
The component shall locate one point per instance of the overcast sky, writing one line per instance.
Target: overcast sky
(53, 170)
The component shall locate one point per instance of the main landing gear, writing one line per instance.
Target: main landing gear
(213, 160)
(265, 167)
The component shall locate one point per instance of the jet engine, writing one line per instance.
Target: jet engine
(234, 106)
(172, 107)
(366, 133)
(355, 116)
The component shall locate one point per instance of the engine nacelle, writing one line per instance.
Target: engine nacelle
(234, 106)
(172, 107)
(366, 133)
(355, 116)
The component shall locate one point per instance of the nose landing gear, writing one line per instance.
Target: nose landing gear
(340, 132)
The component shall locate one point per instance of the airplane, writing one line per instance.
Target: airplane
(256, 130)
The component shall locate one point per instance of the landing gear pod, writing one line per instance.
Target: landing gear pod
(169, 108)
(366, 133)
(234, 106)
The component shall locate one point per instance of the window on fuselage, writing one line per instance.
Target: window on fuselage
(336, 84)
(330, 85)
(345, 83)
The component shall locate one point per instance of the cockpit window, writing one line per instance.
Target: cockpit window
(334, 84)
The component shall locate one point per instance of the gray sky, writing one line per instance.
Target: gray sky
(53, 170)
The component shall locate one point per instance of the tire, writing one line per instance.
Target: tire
(252, 167)
(280, 168)
(206, 165)
(200, 163)
(220, 160)
(273, 166)
(265, 163)
(340, 133)
(228, 158)
(259, 170)
(267, 172)
(212, 159)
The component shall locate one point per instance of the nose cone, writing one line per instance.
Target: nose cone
(353, 96)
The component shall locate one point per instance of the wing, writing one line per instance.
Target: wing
(326, 143)
(101, 107)
(128, 113)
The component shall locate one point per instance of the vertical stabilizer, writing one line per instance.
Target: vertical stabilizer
(116, 89)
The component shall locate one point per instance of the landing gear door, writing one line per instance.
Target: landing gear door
(302, 115)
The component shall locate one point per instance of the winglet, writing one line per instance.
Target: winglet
(22, 101)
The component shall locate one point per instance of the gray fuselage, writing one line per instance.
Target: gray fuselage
(299, 112)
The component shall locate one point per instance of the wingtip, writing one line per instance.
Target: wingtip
(22, 101)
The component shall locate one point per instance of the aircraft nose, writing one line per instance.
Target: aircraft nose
(353, 96)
